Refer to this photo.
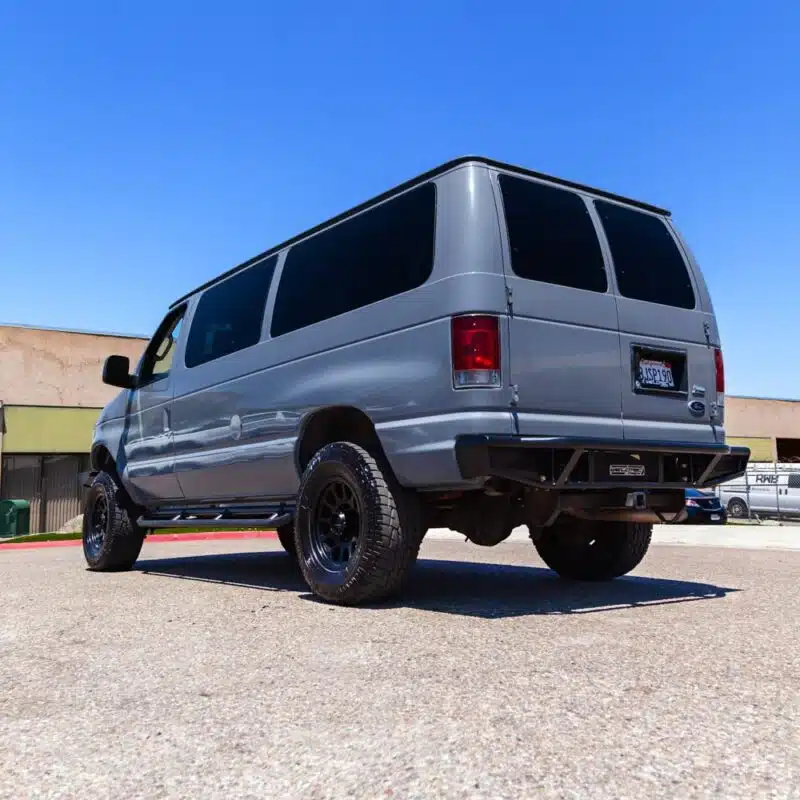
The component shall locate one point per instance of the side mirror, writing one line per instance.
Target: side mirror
(116, 372)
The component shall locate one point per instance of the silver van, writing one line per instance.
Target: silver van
(480, 347)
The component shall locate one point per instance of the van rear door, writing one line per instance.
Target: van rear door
(565, 365)
(667, 330)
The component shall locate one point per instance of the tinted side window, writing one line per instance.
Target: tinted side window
(647, 261)
(551, 235)
(230, 314)
(377, 254)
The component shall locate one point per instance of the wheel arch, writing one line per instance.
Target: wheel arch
(101, 460)
(335, 424)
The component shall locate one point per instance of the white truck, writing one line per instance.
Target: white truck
(767, 490)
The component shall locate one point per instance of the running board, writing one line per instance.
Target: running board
(217, 518)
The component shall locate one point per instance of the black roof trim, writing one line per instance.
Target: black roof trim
(422, 178)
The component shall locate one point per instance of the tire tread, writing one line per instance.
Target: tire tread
(394, 530)
(124, 538)
(286, 538)
(628, 543)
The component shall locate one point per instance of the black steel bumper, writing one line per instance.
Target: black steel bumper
(567, 463)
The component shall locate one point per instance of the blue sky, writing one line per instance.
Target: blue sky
(147, 146)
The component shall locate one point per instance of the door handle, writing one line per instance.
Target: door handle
(165, 419)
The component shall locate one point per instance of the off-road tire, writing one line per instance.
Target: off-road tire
(737, 508)
(122, 538)
(390, 528)
(286, 538)
(593, 551)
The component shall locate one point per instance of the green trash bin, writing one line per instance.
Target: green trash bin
(15, 518)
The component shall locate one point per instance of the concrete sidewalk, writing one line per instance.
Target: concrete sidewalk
(758, 537)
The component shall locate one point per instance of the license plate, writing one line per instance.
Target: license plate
(656, 374)
(714, 517)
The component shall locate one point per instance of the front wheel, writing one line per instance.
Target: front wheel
(358, 533)
(593, 551)
(112, 540)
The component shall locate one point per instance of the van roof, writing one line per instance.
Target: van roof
(422, 178)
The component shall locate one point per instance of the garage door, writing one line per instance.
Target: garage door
(49, 483)
(22, 480)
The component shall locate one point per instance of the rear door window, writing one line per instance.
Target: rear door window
(230, 314)
(377, 254)
(647, 261)
(551, 235)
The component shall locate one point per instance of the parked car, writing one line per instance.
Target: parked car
(478, 348)
(704, 508)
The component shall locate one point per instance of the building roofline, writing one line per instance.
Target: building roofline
(77, 331)
(762, 397)
(51, 406)
(410, 184)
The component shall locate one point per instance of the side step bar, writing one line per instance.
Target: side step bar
(251, 517)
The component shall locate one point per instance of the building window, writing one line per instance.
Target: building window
(788, 450)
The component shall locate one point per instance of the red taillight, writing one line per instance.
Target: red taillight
(720, 369)
(476, 350)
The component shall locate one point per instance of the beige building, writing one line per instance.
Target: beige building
(51, 393)
(770, 428)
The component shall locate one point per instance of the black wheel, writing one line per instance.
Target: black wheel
(112, 540)
(358, 533)
(593, 551)
(737, 508)
(286, 538)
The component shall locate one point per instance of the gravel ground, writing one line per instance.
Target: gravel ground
(210, 672)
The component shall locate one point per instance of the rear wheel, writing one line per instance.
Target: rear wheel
(593, 551)
(112, 540)
(737, 508)
(358, 532)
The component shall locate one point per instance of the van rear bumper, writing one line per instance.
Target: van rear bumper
(569, 463)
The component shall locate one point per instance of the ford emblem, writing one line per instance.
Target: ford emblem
(697, 407)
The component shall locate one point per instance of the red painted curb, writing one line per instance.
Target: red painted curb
(36, 545)
(159, 537)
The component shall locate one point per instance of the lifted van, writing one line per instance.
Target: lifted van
(480, 347)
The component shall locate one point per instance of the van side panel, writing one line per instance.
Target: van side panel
(236, 419)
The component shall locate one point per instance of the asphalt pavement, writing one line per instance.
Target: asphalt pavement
(209, 672)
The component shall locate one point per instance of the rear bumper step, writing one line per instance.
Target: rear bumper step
(568, 463)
